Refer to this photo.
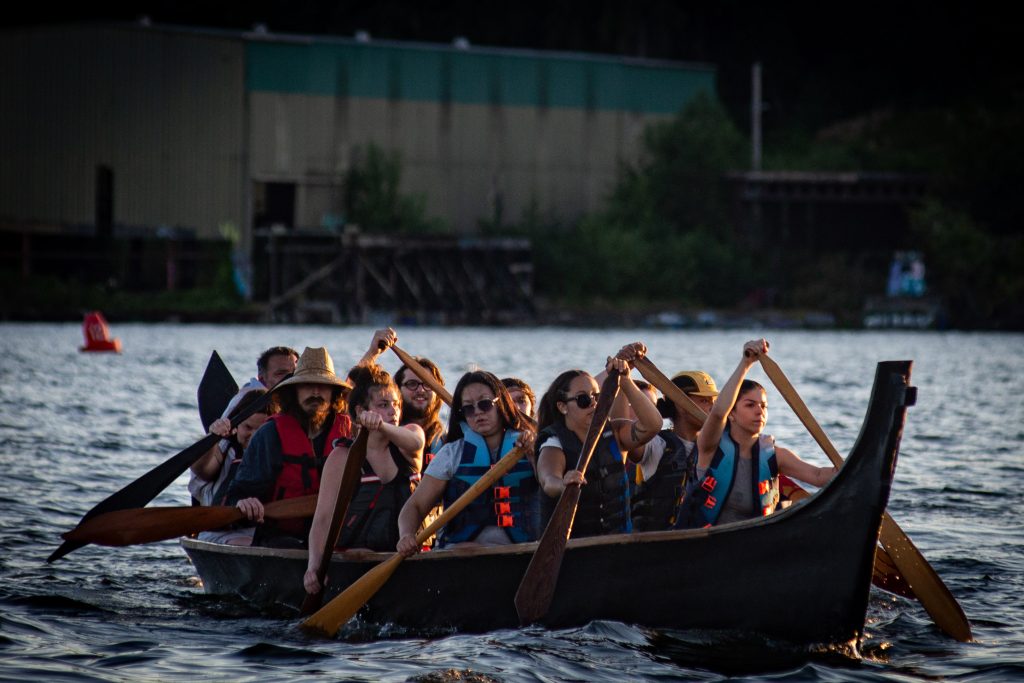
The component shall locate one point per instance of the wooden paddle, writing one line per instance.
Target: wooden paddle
(537, 588)
(884, 575)
(334, 614)
(147, 487)
(425, 376)
(216, 389)
(940, 604)
(350, 479)
(149, 525)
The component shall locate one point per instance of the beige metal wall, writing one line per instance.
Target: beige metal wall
(460, 156)
(164, 110)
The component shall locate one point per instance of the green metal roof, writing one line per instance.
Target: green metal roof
(474, 76)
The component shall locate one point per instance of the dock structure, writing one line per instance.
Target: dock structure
(349, 278)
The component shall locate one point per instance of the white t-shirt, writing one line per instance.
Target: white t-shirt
(654, 450)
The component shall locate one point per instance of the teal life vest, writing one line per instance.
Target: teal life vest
(510, 504)
(704, 499)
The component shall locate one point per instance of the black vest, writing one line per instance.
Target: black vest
(604, 506)
(654, 504)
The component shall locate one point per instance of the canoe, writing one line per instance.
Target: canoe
(733, 577)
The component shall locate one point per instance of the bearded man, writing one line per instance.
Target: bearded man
(287, 454)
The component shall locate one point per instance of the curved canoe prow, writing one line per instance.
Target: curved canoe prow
(801, 575)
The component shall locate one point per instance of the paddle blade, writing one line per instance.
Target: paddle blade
(216, 389)
(930, 590)
(329, 618)
(537, 589)
(148, 525)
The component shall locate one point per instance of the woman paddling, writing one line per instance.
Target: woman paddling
(565, 413)
(738, 466)
(394, 455)
(484, 426)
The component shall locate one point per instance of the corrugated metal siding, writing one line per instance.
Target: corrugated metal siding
(163, 110)
(441, 74)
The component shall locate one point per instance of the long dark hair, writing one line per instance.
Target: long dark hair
(364, 378)
(547, 411)
(510, 416)
(432, 426)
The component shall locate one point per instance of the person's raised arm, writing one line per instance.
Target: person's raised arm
(381, 342)
(409, 438)
(208, 465)
(715, 425)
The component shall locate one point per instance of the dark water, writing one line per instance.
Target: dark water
(76, 427)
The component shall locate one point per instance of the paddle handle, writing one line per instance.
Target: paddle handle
(669, 388)
(424, 375)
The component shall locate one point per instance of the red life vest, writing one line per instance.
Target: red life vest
(300, 469)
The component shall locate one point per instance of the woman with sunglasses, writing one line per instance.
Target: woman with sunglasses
(484, 426)
(738, 465)
(565, 413)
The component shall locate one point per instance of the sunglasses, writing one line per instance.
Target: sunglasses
(582, 400)
(484, 405)
(415, 385)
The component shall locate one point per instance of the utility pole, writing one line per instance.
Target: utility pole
(755, 117)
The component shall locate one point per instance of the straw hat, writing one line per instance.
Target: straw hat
(314, 367)
(696, 383)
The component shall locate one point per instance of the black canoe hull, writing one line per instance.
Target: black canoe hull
(802, 575)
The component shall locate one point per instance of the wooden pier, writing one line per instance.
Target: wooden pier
(353, 278)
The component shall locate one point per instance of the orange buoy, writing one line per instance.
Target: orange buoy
(97, 334)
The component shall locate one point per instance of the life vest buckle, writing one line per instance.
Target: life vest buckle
(709, 483)
(502, 508)
(502, 492)
(505, 521)
(767, 510)
(764, 486)
(710, 502)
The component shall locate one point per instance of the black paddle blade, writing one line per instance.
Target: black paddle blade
(147, 487)
(216, 390)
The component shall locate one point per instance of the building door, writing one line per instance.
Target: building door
(274, 204)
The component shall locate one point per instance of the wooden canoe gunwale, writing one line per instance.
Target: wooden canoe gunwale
(802, 575)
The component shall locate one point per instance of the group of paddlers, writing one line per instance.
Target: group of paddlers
(643, 476)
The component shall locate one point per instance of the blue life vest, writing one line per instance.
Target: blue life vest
(508, 505)
(705, 498)
(604, 506)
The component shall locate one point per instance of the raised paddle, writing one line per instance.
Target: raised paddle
(423, 374)
(884, 575)
(537, 587)
(216, 389)
(933, 594)
(149, 525)
(343, 607)
(147, 487)
(350, 479)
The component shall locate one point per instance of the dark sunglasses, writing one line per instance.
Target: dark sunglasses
(484, 405)
(582, 400)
